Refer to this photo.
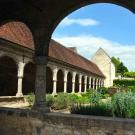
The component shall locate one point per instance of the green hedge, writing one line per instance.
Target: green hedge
(124, 82)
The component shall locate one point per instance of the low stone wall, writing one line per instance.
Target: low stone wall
(25, 122)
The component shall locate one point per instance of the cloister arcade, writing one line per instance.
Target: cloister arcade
(42, 17)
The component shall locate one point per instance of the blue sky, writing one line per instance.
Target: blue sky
(100, 25)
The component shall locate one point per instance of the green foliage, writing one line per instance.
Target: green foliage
(120, 68)
(30, 98)
(101, 109)
(60, 101)
(131, 89)
(50, 100)
(129, 74)
(124, 82)
(123, 104)
(72, 99)
(94, 97)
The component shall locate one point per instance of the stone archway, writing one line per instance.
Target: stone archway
(8, 76)
(77, 83)
(29, 78)
(60, 81)
(69, 82)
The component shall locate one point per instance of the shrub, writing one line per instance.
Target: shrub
(50, 100)
(131, 89)
(94, 97)
(123, 104)
(72, 99)
(102, 90)
(124, 82)
(30, 98)
(60, 101)
(101, 109)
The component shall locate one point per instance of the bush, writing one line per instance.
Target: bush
(72, 99)
(94, 97)
(124, 82)
(60, 101)
(50, 100)
(101, 109)
(102, 90)
(131, 89)
(30, 98)
(123, 104)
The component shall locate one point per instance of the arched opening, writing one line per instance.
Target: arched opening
(60, 81)
(69, 82)
(8, 76)
(77, 83)
(88, 83)
(49, 80)
(29, 78)
(92, 83)
(82, 83)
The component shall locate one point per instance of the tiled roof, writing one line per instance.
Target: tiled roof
(18, 33)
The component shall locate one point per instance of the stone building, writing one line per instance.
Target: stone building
(67, 71)
(105, 64)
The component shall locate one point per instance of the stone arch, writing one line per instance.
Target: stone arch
(83, 83)
(8, 76)
(28, 84)
(92, 83)
(87, 83)
(49, 80)
(69, 82)
(60, 81)
(77, 83)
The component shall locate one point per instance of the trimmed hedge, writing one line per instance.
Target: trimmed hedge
(124, 82)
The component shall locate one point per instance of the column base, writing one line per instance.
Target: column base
(19, 95)
(41, 108)
(54, 94)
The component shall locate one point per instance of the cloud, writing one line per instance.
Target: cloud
(82, 21)
(87, 45)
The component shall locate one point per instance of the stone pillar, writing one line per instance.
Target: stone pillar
(65, 81)
(93, 83)
(80, 83)
(99, 83)
(96, 83)
(89, 82)
(20, 78)
(102, 83)
(40, 84)
(85, 83)
(73, 82)
(55, 71)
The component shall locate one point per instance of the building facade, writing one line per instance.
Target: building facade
(67, 71)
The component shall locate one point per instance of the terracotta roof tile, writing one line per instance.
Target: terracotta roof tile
(18, 33)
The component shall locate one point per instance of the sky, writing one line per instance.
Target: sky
(108, 26)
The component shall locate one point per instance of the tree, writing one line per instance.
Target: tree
(120, 68)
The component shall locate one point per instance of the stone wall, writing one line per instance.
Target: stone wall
(24, 122)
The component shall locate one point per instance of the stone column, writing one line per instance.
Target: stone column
(40, 84)
(89, 82)
(73, 82)
(55, 71)
(65, 81)
(80, 83)
(93, 83)
(85, 83)
(20, 78)
(96, 83)
(99, 84)
(102, 83)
